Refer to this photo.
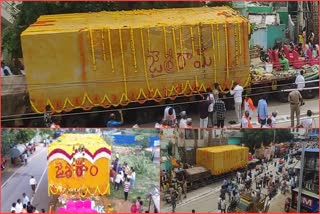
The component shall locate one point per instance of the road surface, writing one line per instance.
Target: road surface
(16, 181)
(205, 199)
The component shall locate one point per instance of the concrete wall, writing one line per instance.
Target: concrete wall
(259, 37)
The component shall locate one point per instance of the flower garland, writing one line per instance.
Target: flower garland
(149, 42)
(123, 65)
(244, 42)
(218, 42)
(144, 59)
(214, 55)
(175, 48)
(165, 40)
(92, 50)
(199, 43)
(186, 87)
(192, 40)
(82, 57)
(239, 35)
(133, 50)
(226, 46)
(180, 37)
(110, 50)
(236, 41)
(103, 45)
(197, 83)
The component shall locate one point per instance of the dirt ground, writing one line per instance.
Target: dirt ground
(120, 206)
(124, 150)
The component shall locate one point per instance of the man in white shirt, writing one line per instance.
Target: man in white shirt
(19, 206)
(117, 181)
(273, 119)
(170, 115)
(33, 184)
(25, 199)
(300, 82)
(237, 95)
(132, 178)
(223, 205)
(245, 121)
(183, 120)
(307, 122)
(25, 158)
(211, 121)
(13, 207)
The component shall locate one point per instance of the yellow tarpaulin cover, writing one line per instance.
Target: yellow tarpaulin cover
(79, 163)
(111, 58)
(222, 159)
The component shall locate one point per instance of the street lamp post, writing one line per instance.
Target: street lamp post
(301, 177)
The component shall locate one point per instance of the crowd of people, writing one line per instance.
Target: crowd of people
(122, 176)
(265, 180)
(212, 110)
(174, 187)
(16, 68)
(25, 205)
(261, 184)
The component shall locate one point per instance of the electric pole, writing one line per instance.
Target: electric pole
(301, 176)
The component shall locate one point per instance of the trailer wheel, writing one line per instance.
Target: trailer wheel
(145, 116)
(283, 95)
(35, 123)
(75, 122)
(309, 94)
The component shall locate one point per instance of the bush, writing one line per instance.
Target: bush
(142, 164)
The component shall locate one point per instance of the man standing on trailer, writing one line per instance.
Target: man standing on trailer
(300, 82)
(237, 95)
(204, 114)
(211, 98)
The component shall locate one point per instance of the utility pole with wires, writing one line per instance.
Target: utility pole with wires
(301, 175)
(300, 21)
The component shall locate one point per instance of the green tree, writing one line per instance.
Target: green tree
(219, 3)
(15, 136)
(254, 137)
(44, 132)
(143, 140)
(25, 135)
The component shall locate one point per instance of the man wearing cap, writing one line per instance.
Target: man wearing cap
(183, 120)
